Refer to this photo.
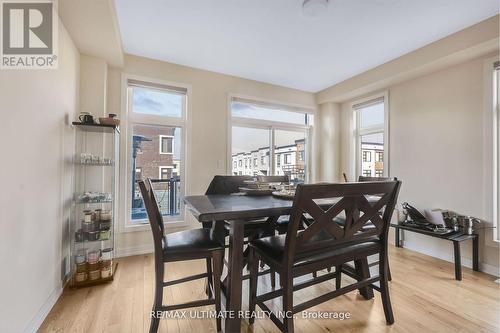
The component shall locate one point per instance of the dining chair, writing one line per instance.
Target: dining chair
(324, 244)
(282, 221)
(341, 221)
(378, 179)
(181, 246)
(225, 185)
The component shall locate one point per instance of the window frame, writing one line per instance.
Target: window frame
(358, 132)
(161, 167)
(128, 120)
(272, 127)
(161, 144)
(493, 84)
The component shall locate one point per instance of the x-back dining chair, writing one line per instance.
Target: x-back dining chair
(325, 243)
(373, 179)
(180, 246)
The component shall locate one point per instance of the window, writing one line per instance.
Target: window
(166, 144)
(254, 110)
(271, 131)
(165, 172)
(157, 100)
(367, 156)
(370, 136)
(156, 129)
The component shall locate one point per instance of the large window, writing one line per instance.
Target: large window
(156, 121)
(274, 137)
(371, 136)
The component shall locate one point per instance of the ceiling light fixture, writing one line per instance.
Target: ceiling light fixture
(314, 8)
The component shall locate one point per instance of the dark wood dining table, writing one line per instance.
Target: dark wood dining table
(237, 210)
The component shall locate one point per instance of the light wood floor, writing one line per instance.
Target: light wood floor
(425, 298)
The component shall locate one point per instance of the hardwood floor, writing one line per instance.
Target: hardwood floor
(425, 298)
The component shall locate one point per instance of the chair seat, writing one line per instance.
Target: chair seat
(273, 248)
(194, 240)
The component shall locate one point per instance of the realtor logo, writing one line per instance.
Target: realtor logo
(29, 35)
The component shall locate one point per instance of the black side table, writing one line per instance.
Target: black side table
(455, 237)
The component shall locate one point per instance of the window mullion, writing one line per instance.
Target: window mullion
(272, 156)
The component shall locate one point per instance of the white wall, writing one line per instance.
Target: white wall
(36, 107)
(436, 149)
(437, 125)
(208, 123)
(328, 127)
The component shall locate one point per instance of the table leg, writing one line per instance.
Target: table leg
(363, 272)
(397, 241)
(475, 253)
(458, 262)
(235, 267)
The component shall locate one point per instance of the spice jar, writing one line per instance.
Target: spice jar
(107, 254)
(104, 234)
(93, 235)
(106, 272)
(87, 217)
(80, 277)
(94, 275)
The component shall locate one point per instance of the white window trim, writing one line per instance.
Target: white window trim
(355, 141)
(272, 126)
(496, 157)
(161, 142)
(163, 167)
(128, 119)
(491, 159)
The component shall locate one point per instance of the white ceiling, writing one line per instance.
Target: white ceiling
(272, 41)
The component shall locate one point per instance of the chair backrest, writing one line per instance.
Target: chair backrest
(274, 179)
(374, 179)
(154, 214)
(361, 203)
(226, 184)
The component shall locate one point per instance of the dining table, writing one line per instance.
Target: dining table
(236, 210)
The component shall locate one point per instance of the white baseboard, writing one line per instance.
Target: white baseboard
(466, 262)
(42, 313)
(134, 251)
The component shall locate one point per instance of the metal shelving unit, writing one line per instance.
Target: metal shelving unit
(93, 209)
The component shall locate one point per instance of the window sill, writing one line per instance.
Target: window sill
(139, 227)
